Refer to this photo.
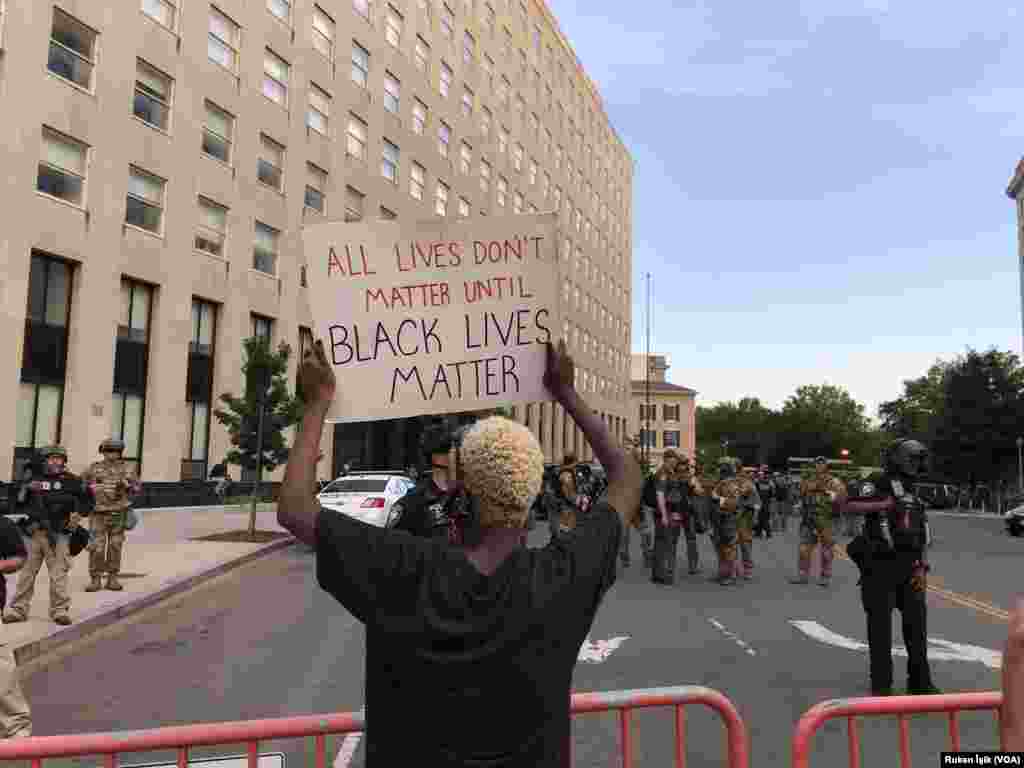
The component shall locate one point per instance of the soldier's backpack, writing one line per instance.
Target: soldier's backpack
(649, 496)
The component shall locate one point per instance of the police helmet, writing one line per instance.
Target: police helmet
(820, 460)
(112, 444)
(727, 467)
(908, 457)
(53, 450)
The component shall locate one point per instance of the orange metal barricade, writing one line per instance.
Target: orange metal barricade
(319, 727)
(901, 706)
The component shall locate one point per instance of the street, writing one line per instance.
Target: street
(264, 641)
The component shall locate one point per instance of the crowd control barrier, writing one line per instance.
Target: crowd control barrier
(36, 749)
(901, 706)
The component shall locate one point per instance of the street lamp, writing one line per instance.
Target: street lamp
(1020, 465)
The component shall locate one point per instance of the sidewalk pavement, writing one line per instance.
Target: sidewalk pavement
(161, 559)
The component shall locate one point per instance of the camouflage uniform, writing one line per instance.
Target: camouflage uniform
(728, 493)
(112, 482)
(816, 525)
(749, 506)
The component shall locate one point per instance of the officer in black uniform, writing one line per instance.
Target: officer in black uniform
(436, 507)
(766, 490)
(891, 554)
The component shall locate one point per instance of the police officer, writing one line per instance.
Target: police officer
(781, 516)
(766, 492)
(54, 504)
(667, 519)
(435, 507)
(820, 493)
(692, 492)
(892, 557)
(112, 483)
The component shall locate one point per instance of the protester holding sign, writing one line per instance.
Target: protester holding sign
(470, 651)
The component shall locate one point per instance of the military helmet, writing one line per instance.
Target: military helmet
(53, 450)
(111, 444)
(820, 460)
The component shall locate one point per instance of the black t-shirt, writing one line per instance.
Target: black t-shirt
(12, 544)
(427, 511)
(464, 669)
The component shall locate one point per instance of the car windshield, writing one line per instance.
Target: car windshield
(358, 485)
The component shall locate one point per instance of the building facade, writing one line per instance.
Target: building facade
(155, 152)
(1015, 191)
(663, 414)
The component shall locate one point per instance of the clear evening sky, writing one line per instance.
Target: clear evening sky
(819, 185)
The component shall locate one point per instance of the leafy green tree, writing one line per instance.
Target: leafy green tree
(241, 415)
(822, 420)
(922, 398)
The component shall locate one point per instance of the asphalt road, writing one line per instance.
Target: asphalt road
(264, 641)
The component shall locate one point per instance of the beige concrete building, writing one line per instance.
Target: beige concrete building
(663, 414)
(155, 151)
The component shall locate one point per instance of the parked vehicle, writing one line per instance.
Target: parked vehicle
(1015, 516)
(366, 496)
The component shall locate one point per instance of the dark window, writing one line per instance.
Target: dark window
(199, 388)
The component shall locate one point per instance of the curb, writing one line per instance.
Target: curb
(32, 650)
(977, 515)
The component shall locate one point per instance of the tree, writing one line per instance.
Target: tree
(822, 420)
(911, 414)
(266, 388)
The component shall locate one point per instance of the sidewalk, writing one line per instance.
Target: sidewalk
(161, 559)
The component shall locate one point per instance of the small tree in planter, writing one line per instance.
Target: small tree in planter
(257, 421)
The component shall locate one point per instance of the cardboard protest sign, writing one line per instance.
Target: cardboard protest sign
(434, 316)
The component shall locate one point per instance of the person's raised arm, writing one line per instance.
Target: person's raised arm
(297, 507)
(625, 478)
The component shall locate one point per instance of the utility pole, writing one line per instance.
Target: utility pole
(647, 379)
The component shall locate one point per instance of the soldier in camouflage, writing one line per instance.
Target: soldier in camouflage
(821, 493)
(749, 509)
(112, 483)
(727, 495)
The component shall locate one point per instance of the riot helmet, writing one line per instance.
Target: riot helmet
(111, 445)
(908, 458)
(726, 468)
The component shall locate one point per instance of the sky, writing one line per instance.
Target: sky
(819, 185)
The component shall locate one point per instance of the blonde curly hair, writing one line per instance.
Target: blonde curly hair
(503, 465)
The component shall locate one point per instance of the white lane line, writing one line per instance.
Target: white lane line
(347, 750)
(594, 652)
(938, 649)
(732, 636)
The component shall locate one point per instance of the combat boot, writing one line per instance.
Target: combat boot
(801, 579)
(824, 581)
(113, 584)
(95, 585)
(14, 618)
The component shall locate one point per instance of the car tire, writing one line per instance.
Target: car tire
(1015, 529)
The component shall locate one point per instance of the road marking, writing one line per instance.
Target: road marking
(938, 649)
(596, 652)
(732, 636)
(964, 601)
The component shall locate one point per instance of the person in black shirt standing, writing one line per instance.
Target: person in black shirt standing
(470, 650)
(15, 715)
(891, 554)
(434, 507)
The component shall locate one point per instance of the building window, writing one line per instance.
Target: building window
(545, 185)
(467, 103)
(502, 190)
(488, 65)
(558, 198)
(145, 200)
(213, 227)
(217, 133)
(261, 327)
(389, 162)
(131, 358)
(270, 166)
(517, 158)
(199, 389)
(670, 413)
(463, 208)
(356, 138)
(44, 357)
(465, 158)
(503, 88)
(316, 189)
(152, 103)
(392, 93)
(447, 21)
(485, 177)
(161, 11)
(533, 172)
(517, 203)
(354, 200)
(417, 181)
(419, 117)
(468, 48)
(444, 137)
(445, 82)
(488, 19)
(421, 55)
(72, 50)
(280, 10)
(275, 78)
(62, 167)
(323, 33)
(393, 27)
(502, 140)
(319, 114)
(671, 438)
(362, 7)
(387, 214)
(264, 252)
(520, 107)
(441, 199)
(360, 64)
(485, 121)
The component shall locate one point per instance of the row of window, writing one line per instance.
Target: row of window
(669, 412)
(44, 365)
(670, 438)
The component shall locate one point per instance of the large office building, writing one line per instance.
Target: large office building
(1015, 191)
(155, 153)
